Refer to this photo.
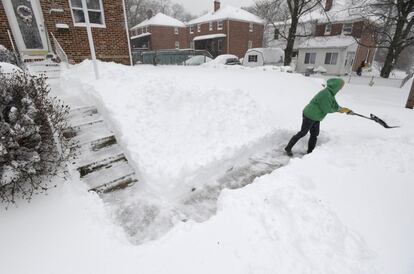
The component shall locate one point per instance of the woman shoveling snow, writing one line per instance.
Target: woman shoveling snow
(323, 103)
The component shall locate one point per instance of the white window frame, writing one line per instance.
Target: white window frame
(251, 27)
(210, 26)
(331, 58)
(191, 29)
(310, 58)
(176, 31)
(350, 29)
(147, 29)
(93, 25)
(250, 44)
(328, 32)
(198, 27)
(177, 45)
(220, 25)
(252, 58)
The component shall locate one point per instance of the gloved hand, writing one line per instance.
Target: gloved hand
(345, 110)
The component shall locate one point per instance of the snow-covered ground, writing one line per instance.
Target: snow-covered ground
(347, 208)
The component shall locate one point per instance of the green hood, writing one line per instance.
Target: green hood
(334, 85)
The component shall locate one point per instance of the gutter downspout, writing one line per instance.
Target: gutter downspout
(127, 33)
(228, 36)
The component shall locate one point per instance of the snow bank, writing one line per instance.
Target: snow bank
(175, 124)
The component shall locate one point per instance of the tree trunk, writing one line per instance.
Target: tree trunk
(410, 100)
(291, 39)
(388, 64)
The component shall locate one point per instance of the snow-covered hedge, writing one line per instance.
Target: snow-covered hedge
(7, 56)
(32, 147)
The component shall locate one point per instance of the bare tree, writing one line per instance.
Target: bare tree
(392, 23)
(290, 12)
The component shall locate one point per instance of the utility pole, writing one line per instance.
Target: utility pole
(410, 100)
(90, 39)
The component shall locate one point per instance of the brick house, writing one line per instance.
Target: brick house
(30, 25)
(226, 30)
(338, 40)
(159, 32)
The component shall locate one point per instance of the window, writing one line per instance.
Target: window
(251, 26)
(276, 34)
(199, 28)
(210, 26)
(176, 30)
(191, 29)
(192, 45)
(95, 12)
(146, 29)
(310, 57)
(252, 58)
(250, 44)
(142, 30)
(328, 29)
(331, 58)
(177, 45)
(220, 45)
(219, 25)
(347, 28)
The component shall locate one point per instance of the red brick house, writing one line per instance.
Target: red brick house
(159, 32)
(226, 30)
(30, 25)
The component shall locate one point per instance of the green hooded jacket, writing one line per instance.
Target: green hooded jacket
(324, 102)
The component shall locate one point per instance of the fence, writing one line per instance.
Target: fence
(169, 57)
(370, 80)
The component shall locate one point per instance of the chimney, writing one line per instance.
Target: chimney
(216, 5)
(328, 5)
(150, 14)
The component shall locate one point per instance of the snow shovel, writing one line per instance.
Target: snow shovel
(373, 118)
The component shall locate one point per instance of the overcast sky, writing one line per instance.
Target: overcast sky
(198, 6)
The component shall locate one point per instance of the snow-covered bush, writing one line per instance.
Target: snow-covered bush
(7, 56)
(32, 147)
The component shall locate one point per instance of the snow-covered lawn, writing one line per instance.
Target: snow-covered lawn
(347, 208)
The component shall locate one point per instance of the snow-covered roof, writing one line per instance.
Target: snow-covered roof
(160, 19)
(210, 36)
(228, 12)
(141, 35)
(339, 41)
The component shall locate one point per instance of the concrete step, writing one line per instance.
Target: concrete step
(78, 112)
(97, 166)
(89, 157)
(110, 176)
(93, 135)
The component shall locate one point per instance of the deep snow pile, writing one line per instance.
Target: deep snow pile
(176, 124)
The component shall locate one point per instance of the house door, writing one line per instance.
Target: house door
(349, 61)
(27, 24)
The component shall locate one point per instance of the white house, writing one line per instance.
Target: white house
(334, 53)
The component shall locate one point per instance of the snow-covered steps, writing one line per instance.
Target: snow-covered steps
(101, 161)
(47, 68)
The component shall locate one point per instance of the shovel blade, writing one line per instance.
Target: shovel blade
(381, 122)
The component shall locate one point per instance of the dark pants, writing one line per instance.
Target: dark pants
(307, 125)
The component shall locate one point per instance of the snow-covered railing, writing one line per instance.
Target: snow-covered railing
(59, 51)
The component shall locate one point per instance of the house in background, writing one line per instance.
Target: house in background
(159, 32)
(335, 38)
(335, 54)
(33, 25)
(226, 30)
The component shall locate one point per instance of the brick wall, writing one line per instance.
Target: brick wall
(4, 26)
(240, 35)
(111, 42)
(165, 37)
